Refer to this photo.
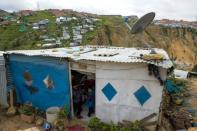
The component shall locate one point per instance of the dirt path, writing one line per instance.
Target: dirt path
(194, 93)
(16, 124)
(12, 123)
(192, 99)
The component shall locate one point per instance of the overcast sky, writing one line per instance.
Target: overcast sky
(172, 9)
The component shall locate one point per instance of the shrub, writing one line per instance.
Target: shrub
(63, 112)
(95, 124)
(26, 109)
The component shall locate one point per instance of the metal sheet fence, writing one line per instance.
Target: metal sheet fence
(3, 91)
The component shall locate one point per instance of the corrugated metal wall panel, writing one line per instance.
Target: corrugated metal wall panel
(3, 90)
(10, 83)
(2, 63)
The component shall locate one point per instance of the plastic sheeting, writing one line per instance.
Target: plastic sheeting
(181, 74)
(42, 81)
(172, 87)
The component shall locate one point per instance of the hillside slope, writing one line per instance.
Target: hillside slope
(180, 43)
(3, 13)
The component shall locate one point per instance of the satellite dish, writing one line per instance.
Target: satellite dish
(140, 26)
(142, 23)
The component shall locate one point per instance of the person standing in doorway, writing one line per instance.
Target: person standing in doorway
(75, 99)
(79, 102)
(90, 102)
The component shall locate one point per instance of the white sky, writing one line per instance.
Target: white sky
(171, 9)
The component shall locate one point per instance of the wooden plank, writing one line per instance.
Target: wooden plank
(126, 123)
(71, 93)
(148, 117)
(150, 123)
(145, 129)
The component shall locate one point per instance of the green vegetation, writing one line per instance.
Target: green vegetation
(63, 112)
(22, 36)
(9, 36)
(12, 38)
(95, 124)
(180, 83)
(40, 15)
(89, 36)
(112, 21)
(26, 109)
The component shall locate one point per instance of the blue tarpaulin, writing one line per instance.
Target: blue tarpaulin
(42, 81)
(171, 87)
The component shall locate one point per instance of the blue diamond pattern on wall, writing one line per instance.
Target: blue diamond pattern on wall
(109, 91)
(142, 95)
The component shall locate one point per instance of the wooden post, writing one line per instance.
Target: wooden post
(71, 94)
(11, 109)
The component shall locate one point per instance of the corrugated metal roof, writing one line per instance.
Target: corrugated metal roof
(97, 53)
(1, 53)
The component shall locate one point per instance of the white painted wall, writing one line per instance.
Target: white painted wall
(126, 79)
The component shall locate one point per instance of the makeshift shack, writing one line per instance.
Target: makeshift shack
(3, 91)
(128, 86)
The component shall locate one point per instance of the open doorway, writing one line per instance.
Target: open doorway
(83, 92)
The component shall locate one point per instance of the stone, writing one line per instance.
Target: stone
(39, 122)
(179, 101)
(192, 129)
